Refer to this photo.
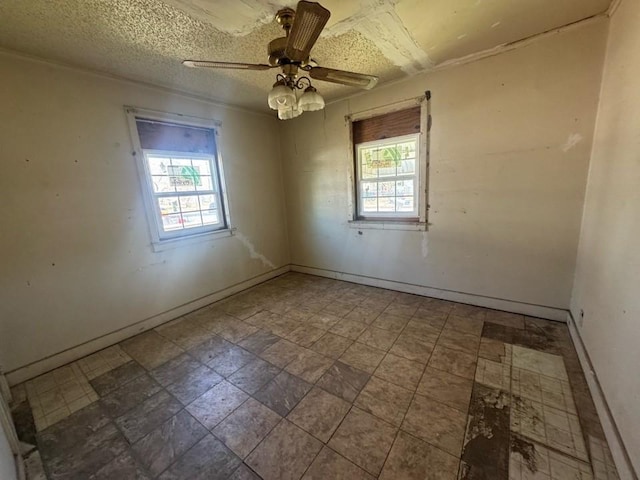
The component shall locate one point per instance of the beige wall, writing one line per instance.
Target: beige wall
(75, 251)
(510, 149)
(607, 284)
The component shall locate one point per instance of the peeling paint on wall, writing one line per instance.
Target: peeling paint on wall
(425, 245)
(253, 253)
(572, 141)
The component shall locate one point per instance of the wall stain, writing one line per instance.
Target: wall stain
(424, 245)
(572, 141)
(252, 250)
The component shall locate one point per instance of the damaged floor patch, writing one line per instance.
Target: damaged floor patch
(531, 460)
(523, 421)
(486, 449)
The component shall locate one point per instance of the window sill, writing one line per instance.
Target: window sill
(388, 225)
(162, 245)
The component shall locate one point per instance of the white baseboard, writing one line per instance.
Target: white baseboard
(611, 432)
(540, 311)
(72, 354)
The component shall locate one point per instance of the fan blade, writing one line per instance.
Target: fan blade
(351, 79)
(309, 21)
(236, 66)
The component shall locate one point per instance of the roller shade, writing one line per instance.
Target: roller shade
(389, 125)
(155, 135)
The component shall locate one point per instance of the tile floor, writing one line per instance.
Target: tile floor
(306, 377)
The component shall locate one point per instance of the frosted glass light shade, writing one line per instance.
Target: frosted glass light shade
(281, 96)
(311, 100)
(288, 113)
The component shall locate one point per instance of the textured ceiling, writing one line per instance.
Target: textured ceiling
(146, 39)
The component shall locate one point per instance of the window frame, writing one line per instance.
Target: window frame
(168, 235)
(354, 219)
(407, 216)
(160, 239)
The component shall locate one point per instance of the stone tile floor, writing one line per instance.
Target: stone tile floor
(312, 378)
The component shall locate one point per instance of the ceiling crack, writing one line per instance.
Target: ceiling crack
(378, 22)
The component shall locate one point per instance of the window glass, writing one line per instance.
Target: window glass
(388, 177)
(186, 191)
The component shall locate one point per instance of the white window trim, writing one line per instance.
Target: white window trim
(396, 223)
(189, 236)
(387, 225)
(171, 235)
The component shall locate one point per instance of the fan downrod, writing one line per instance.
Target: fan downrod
(276, 47)
(285, 17)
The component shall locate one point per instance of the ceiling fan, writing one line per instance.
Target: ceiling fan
(291, 54)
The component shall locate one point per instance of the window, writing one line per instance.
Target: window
(181, 175)
(186, 192)
(390, 167)
(388, 178)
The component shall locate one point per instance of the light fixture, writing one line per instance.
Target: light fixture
(287, 113)
(282, 97)
(311, 100)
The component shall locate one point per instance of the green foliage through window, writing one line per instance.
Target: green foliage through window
(385, 157)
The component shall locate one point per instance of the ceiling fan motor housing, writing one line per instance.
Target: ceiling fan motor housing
(290, 53)
(275, 51)
(276, 48)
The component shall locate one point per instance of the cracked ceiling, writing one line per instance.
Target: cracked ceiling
(145, 40)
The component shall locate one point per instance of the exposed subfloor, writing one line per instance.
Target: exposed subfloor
(307, 377)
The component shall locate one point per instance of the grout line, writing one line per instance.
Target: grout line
(323, 444)
(79, 374)
(415, 392)
(313, 385)
(352, 405)
(183, 409)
